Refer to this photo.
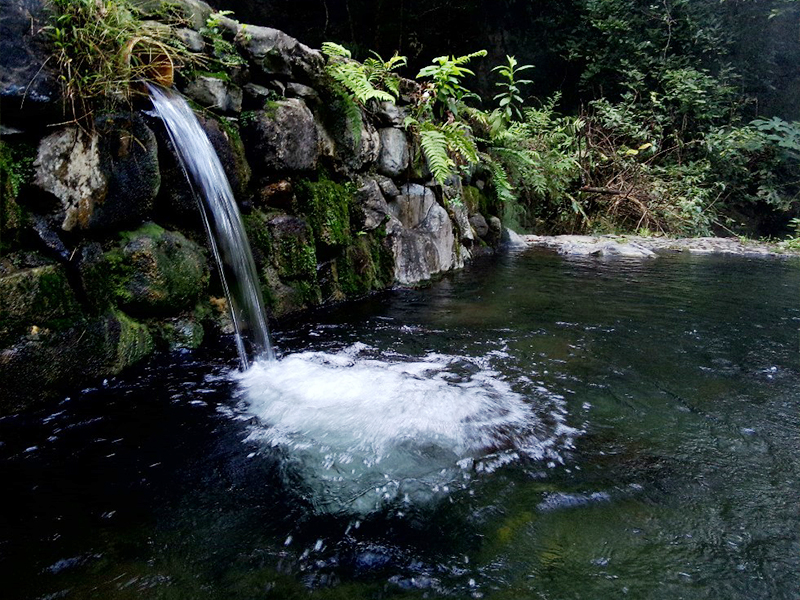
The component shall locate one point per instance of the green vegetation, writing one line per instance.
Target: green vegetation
(105, 47)
(510, 99)
(326, 205)
(371, 80)
(660, 132)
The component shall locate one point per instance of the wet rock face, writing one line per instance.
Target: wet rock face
(160, 272)
(282, 138)
(102, 179)
(28, 82)
(393, 159)
(422, 235)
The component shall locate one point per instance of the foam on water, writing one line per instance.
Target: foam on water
(366, 429)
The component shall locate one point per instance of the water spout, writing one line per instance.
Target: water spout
(222, 220)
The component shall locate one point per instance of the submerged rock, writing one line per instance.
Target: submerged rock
(581, 245)
(49, 362)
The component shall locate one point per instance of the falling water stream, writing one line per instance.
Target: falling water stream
(222, 221)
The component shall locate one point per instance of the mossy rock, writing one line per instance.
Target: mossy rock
(36, 297)
(475, 200)
(152, 272)
(178, 333)
(286, 259)
(50, 363)
(16, 170)
(327, 206)
(367, 265)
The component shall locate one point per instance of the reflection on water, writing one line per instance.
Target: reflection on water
(539, 428)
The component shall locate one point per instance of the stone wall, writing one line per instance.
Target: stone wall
(103, 259)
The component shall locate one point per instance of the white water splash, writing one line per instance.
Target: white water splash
(367, 429)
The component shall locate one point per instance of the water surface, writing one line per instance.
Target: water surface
(533, 427)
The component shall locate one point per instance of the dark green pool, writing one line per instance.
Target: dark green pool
(665, 394)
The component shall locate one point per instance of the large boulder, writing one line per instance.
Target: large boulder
(28, 80)
(151, 273)
(103, 179)
(48, 362)
(394, 153)
(422, 236)
(282, 138)
(280, 55)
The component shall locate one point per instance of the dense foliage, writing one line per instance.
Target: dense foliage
(661, 128)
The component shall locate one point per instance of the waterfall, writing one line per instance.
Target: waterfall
(222, 220)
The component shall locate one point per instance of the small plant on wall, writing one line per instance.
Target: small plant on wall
(103, 47)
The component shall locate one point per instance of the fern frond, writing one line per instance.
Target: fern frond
(434, 146)
(333, 49)
(353, 77)
(460, 140)
(500, 179)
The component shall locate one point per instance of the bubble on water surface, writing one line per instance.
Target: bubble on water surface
(366, 429)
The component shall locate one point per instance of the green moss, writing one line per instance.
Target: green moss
(326, 204)
(271, 108)
(152, 272)
(148, 229)
(297, 259)
(40, 296)
(177, 334)
(475, 200)
(16, 170)
(366, 265)
(133, 343)
(256, 226)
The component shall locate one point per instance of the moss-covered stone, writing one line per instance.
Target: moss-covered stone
(39, 296)
(49, 362)
(366, 265)
(286, 259)
(128, 341)
(16, 170)
(475, 200)
(326, 204)
(151, 272)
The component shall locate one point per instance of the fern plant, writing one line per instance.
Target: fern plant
(445, 146)
(359, 80)
(381, 73)
(446, 74)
